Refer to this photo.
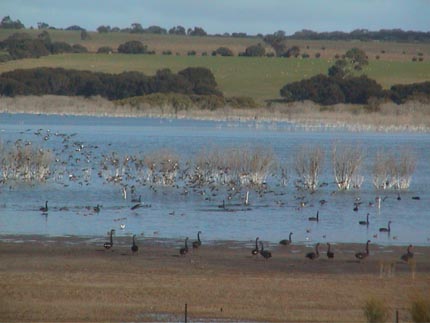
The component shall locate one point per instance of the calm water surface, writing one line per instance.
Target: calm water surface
(175, 215)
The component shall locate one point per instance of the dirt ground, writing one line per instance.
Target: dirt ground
(77, 280)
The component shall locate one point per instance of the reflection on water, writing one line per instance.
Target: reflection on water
(76, 188)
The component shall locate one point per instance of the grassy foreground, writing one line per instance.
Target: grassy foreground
(78, 281)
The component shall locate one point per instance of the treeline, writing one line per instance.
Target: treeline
(305, 34)
(329, 90)
(22, 45)
(59, 81)
(364, 35)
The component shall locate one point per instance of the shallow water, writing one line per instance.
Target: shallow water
(172, 214)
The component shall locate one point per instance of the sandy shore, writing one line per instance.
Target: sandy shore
(76, 280)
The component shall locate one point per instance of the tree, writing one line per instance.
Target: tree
(136, 28)
(75, 27)
(352, 62)
(132, 47)
(277, 41)
(197, 31)
(202, 80)
(292, 51)
(178, 30)
(42, 25)
(8, 23)
(254, 51)
(103, 29)
(156, 30)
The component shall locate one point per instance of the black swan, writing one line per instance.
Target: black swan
(109, 244)
(365, 222)
(408, 255)
(265, 253)
(362, 255)
(286, 242)
(134, 247)
(313, 255)
(198, 243)
(256, 251)
(386, 229)
(44, 208)
(184, 250)
(315, 218)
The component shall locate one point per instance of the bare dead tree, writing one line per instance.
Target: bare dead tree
(346, 162)
(308, 165)
(391, 172)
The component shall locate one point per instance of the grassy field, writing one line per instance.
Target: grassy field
(259, 78)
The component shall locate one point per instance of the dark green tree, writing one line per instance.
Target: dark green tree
(132, 47)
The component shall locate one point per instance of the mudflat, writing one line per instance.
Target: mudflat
(76, 280)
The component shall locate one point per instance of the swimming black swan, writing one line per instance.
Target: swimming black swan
(386, 229)
(44, 208)
(134, 247)
(314, 255)
(198, 243)
(136, 206)
(265, 253)
(109, 244)
(365, 222)
(408, 255)
(286, 242)
(362, 255)
(96, 208)
(315, 218)
(184, 250)
(330, 254)
(256, 251)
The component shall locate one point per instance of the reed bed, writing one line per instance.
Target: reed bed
(412, 116)
(24, 163)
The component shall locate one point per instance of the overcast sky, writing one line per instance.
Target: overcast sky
(219, 16)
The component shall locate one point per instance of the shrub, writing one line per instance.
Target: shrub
(191, 53)
(77, 48)
(224, 51)
(132, 47)
(254, 51)
(308, 165)
(61, 47)
(105, 50)
(317, 55)
(375, 311)
(167, 52)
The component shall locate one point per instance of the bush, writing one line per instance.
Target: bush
(375, 311)
(224, 51)
(77, 48)
(254, 51)
(105, 50)
(191, 53)
(167, 52)
(61, 47)
(132, 47)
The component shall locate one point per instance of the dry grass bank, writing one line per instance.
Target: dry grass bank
(43, 281)
(411, 116)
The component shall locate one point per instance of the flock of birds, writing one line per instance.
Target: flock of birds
(259, 246)
(266, 254)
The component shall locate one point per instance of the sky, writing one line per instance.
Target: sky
(219, 16)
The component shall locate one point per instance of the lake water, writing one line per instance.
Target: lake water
(180, 211)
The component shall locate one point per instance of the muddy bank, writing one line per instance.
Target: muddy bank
(76, 279)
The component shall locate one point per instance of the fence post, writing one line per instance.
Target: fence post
(186, 312)
(397, 316)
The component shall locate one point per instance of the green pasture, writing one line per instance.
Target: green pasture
(259, 78)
